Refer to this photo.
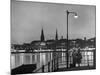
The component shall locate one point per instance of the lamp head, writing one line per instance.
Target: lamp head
(75, 16)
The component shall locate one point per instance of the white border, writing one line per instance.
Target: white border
(5, 36)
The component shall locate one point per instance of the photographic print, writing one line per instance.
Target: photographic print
(52, 37)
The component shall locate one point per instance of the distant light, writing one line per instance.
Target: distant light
(42, 44)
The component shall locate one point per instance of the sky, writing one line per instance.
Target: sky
(28, 18)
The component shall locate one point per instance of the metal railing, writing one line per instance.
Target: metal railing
(58, 60)
(88, 60)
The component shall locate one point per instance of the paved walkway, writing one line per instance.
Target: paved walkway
(76, 68)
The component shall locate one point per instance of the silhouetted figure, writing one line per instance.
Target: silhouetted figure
(76, 56)
(79, 57)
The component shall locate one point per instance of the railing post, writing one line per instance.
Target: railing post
(94, 58)
(48, 66)
(87, 58)
(70, 62)
(57, 63)
(52, 65)
(42, 68)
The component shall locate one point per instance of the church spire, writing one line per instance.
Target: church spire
(42, 35)
(56, 37)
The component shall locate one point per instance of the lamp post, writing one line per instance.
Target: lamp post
(75, 16)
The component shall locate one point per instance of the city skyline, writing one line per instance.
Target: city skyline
(28, 18)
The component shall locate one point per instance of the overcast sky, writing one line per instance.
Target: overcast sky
(28, 18)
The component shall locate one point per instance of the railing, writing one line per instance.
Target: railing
(49, 67)
(88, 60)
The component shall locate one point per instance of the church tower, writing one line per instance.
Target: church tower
(42, 35)
(56, 37)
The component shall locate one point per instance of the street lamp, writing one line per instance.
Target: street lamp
(75, 16)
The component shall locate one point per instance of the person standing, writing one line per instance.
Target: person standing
(74, 58)
(79, 57)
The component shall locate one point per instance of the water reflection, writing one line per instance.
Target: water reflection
(33, 58)
(43, 58)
